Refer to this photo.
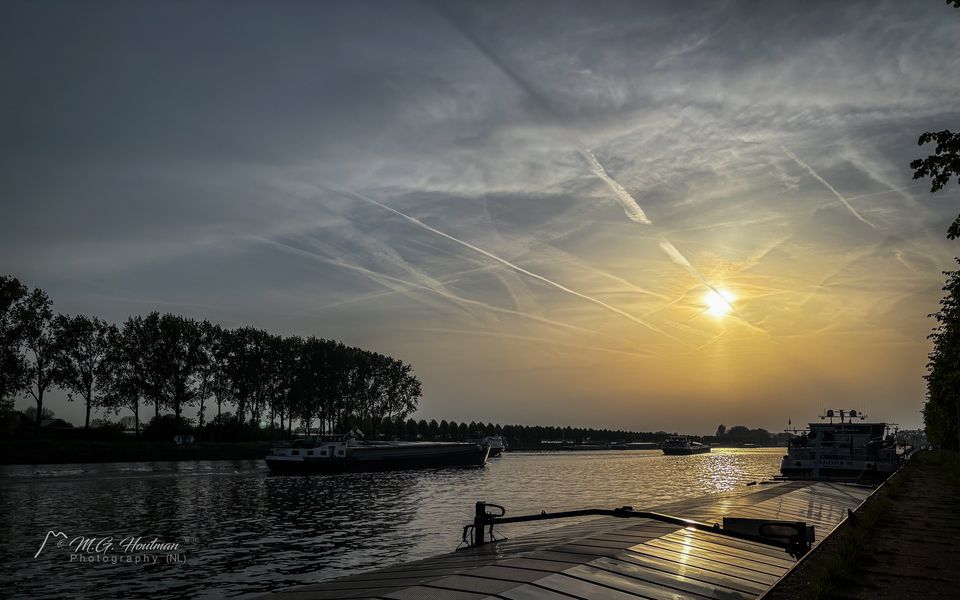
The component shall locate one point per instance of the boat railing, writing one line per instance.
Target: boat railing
(796, 537)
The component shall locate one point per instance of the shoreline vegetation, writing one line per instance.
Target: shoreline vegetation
(42, 452)
(242, 380)
(107, 442)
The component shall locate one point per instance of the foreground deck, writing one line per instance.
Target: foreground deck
(612, 558)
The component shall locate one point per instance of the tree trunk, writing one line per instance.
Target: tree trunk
(39, 411)
(136, 418)
(89, 397)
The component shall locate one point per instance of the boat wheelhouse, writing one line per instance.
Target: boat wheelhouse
(349, 452)
(847, 448)
(496, 444)
(682, 445)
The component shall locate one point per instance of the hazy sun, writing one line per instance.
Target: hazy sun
(719, 303)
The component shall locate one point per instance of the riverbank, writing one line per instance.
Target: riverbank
(65, 451)
(43, 452)
(902, 545)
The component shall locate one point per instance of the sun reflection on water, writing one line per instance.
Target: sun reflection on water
(724, 472)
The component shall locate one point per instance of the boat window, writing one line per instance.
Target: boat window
(813, 435)
(295, 452)
(309, 452)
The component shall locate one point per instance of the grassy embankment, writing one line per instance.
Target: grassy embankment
(850, 564)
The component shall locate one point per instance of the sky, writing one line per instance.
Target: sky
(639, 215)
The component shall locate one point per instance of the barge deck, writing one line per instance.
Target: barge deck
(614, 558)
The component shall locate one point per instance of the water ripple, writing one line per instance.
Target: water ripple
(248, 532)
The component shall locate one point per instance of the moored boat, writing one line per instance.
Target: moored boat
(349, 452)
(851, 449)
(682, 445)
(495, 443)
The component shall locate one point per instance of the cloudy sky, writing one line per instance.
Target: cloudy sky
(530, 202)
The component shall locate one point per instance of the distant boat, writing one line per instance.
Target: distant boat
(681, 445)
(495, 443)
(348, 453)
(851, 449)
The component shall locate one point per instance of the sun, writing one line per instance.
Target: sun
(719, 302)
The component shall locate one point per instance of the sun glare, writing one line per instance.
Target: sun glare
(719, 302)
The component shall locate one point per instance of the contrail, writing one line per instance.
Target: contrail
(681, 260)
(390, 292)
(510, 265)
(512, 336)
(532, 92)
(892, 190)
(382, 278)
(629, 204)
(546, 109)
(828, 186)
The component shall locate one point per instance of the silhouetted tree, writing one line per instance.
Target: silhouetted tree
(172, 361)
(289, 354)
(83, 360)
(941, 411)
(13, 363)
(34, 315)
(206, 371)
(175, 362)
(124, 377)
(940, 166)
(221, 387)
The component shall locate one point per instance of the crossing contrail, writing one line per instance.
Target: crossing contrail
(511, 265)
(681, 260)
(401, 286)
(828, 186)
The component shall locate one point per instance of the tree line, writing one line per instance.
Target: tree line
(941, 411)
(166, 362)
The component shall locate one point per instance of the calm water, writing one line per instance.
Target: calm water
(244, 532)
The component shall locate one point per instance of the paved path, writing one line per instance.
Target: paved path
(917, 544)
